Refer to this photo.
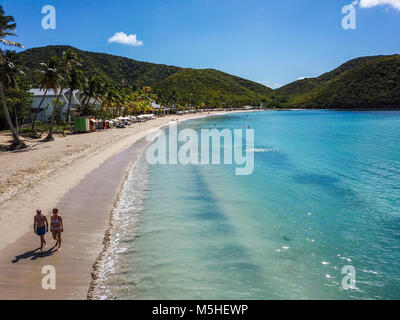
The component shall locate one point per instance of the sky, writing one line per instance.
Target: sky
(273, 42)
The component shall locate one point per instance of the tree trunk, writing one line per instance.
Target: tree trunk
(17, 143)
(50, 134)
(37, 112)
(85, 109)
(16, 120)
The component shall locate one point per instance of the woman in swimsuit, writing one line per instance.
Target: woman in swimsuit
(56, 227)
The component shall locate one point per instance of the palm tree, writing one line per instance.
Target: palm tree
(92, 91)
(68, 60)
(8, 74)
(50, 79)
(10, 69)
(72, 60)
(109, 100)
(76, 82)
(58, 90)
(8, 28)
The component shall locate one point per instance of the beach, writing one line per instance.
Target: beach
(81, 175)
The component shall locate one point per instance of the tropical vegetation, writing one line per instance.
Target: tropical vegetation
(368, 82)
(172, 85)
(8, 72)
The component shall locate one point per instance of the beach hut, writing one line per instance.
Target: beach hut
(92, 124)
(84, 124)
(108, 124)
(99, 124)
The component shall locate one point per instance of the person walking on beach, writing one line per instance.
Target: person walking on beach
(40, 227)
(56, 227)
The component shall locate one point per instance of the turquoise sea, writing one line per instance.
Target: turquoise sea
(325, 194)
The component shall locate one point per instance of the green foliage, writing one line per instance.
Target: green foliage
(193, 87)
(111, 68)
(214, 88)
(19, 103)
(368, 82)
(7, 28)
(363, 82)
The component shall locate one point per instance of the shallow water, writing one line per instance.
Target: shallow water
(325, 193)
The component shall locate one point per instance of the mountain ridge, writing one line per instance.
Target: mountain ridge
(365, 82)
(229, 89)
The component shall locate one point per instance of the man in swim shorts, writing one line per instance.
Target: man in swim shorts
(40, 227)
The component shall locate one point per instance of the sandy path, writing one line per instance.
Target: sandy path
(82, 175)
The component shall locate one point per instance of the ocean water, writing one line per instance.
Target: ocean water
(325, 194)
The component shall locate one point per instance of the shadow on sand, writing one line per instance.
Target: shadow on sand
(35, 254)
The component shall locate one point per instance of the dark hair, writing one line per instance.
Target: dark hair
(55, 210)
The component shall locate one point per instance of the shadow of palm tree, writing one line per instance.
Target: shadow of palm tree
(34, 254)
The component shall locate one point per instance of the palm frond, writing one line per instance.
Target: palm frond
(11, 43)
(11, 34)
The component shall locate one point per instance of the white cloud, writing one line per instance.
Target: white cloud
(302, 78)
(123, 38)
(374, 3)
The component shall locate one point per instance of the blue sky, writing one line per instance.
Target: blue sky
(268, 41)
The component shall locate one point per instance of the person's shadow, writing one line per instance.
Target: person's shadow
(34, 254)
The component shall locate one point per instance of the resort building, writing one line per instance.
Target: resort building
(46, 109)
(159, 109)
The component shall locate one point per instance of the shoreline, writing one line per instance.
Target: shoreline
(92, 234)
(97, 270)
(99, 263)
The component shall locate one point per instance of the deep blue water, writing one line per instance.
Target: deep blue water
(325, 193)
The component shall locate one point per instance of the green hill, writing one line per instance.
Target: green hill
(213, 87)
(190, 84)
(114, 69)
(367, 82)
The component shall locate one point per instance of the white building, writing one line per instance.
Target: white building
(46, 108)
(159, 109)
